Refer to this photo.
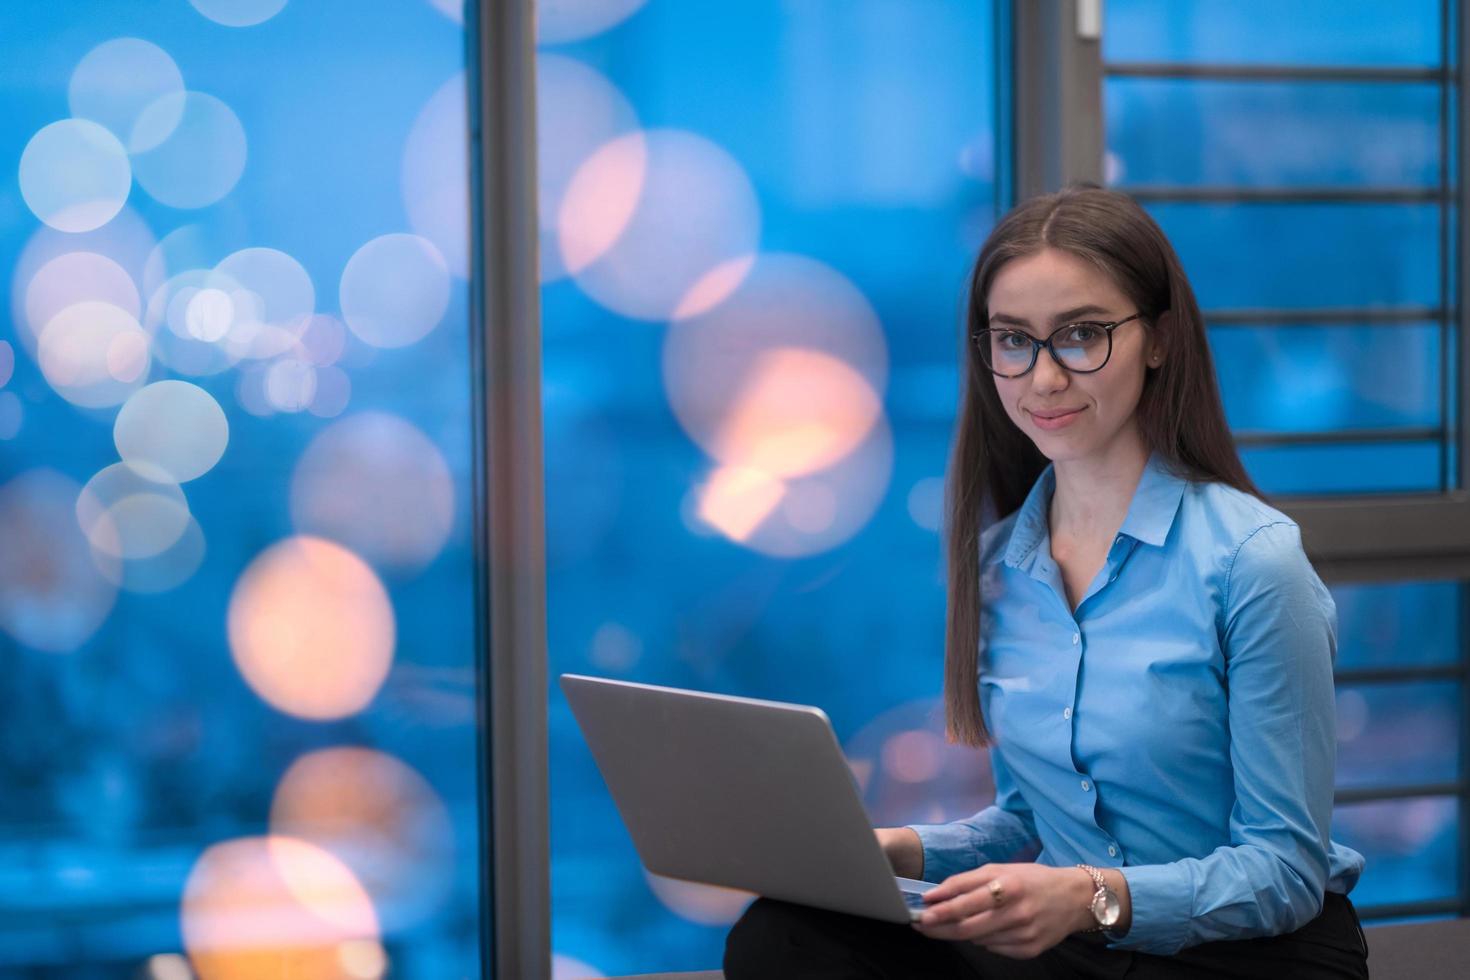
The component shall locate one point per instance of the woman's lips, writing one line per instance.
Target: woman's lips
(1058, 421)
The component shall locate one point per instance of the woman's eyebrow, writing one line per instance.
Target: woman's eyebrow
(1072, 314)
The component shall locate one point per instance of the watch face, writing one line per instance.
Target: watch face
(1105, 908)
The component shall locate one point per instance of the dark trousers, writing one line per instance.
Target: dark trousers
(776, 940)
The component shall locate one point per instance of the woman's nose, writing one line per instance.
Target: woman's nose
(1048, 375)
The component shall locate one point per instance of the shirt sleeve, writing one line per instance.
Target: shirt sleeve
(1005, 831)
(1278, 630)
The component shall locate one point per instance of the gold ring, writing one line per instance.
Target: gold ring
(996, 894)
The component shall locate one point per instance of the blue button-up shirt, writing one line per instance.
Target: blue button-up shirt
(1179, 725)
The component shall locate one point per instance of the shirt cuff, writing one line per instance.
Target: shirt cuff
(950, 848)
(1162, 896)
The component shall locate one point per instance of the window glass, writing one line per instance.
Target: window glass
(1411, 847)
(1397, 734)
(1399, 624)
(757, 220)
(236, 601)
(1313, 32)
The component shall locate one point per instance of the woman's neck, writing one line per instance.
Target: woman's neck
(1093, 492)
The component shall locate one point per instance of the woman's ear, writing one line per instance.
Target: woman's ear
(1158, 337)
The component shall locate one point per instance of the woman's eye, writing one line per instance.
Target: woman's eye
(1013, 341)
(1084, 333)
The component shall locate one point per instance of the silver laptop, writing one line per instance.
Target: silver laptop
(741, 793)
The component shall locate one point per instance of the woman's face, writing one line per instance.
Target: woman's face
(1069, 416)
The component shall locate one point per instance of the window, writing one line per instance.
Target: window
(237, 604)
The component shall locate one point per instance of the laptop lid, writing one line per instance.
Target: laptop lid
(736, 792)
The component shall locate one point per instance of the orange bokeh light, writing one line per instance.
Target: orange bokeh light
(380, 818)
(311, 629)
(262, 908)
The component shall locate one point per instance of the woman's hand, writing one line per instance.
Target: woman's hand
(1037, 907)
(904, 850)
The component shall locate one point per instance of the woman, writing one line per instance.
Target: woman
(1138, 637)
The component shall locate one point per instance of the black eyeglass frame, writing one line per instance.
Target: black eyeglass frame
(982, 337)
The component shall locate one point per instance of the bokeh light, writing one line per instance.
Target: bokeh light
(333, 392)
(196, 150)
(176, 323)
(910, 773)
(803, 515)
(175, 426)
(311, 629)
(74, 175)
(376, 483)
(72, 278)
(435, 175)
(169, 966)
(94, 354)
(926, 502)
(560, 21)
(290, 384)
(453, 9)
(271, 301)
(395, 289)
(261, 908)
(707, 905)
(565, 967)
(380, 818)
(577, 111)
(131, 510)
(52, 597)
(7, 362)
(649, 215)
(168, 569)
(239, 13)
(117, 80)
(126, 241)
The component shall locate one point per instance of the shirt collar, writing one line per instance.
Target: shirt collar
(1150, 514)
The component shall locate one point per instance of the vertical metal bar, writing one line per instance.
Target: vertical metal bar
(1456, 26)
(1004, 84)
(1057, 96)
(509, 519)
(1446, 318)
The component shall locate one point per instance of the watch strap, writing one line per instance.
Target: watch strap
(1101, 889)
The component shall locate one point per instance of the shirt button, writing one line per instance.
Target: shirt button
(1112, 851)
(1067, 713)
(1086, 786)
(1076, 638)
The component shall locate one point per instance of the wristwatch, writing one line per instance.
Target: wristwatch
(1104, 906)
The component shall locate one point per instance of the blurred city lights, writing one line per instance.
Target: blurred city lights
(395, 289)
(52, 596)
(707, 905)
(577, 111)
(74, 175)
(239, 13)
(117, 80)
(94, 354)
(377, 484)
(260, 908)
(175, 426)
(560, 21)
(649, 215)
(196, 149)
(380, 818)
(311, 629)
(435, 175)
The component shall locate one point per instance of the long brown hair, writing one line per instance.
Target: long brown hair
(993, 463)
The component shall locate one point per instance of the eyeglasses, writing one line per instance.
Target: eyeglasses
(1082, 347)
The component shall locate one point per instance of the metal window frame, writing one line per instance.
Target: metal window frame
(1058, 139)
(510, 562)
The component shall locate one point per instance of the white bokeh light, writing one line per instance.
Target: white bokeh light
(435, 176)
(290, 384)
(7, 362)
(376, 483)
(72, 278)
(560, 21)
(168, 569)
(333, 392)
(172, 425)
(649, 215)
(12, 415)
(577, 111)
(196, 150)
(94, 354)
(174, 322)
(132, 511)
(52, 596)
(395, 289)
(271, 299)
(117, 80)
(239, 13)
(74, 175)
